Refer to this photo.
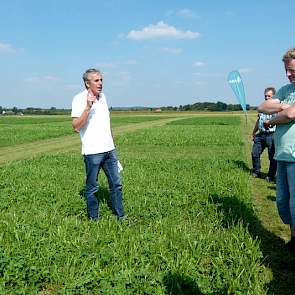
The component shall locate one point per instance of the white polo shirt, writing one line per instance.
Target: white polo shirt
(96, 136)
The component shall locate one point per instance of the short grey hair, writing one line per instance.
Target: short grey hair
(89, 71)
(272, 89)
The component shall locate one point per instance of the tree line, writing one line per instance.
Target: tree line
(33, 111)
(207, 106)
(198, 106)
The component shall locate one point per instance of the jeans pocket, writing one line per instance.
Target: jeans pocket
(95, 159)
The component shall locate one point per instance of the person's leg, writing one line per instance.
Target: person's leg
(92, 164)
(257, 150)
(272, 162)
(291, 182)
(283, 194)
(110, 167)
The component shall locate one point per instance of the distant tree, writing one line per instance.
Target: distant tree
(221, 106)
(1, 110)
(15, 110)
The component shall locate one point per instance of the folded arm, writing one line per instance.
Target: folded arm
(272, 106)
(283, 117)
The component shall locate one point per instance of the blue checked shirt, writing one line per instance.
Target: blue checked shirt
(263, 117)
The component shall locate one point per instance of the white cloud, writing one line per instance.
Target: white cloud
(74, 87)
(169, 13)
(39, 79)
(183, 13)
(120, 79)
(186, 13)
(161, 30)
(114, 65)
(229, 13)
(207, 75)
(124, 75)
(131, 62)
(7, 48)
(199, 74)
(200, 83)
(199, 64)
(107, 65)
(171, 50)
(51, 78)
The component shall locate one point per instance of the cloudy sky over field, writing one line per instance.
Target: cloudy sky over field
(152, 53)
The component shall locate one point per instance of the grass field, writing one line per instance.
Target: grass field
(17, 130)
(193, 223)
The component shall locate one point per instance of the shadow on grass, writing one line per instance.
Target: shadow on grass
(272, 187)
(271, 198)
(242, 165)
(103, 196)
(178, 284)
(273, 248)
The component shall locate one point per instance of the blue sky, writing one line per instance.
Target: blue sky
(152, 53)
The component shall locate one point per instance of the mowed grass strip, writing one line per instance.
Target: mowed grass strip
(117, 120)
(65, 143)
(16, 130)
(187, 230)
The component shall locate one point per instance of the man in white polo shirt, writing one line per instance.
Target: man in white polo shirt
(91, 118)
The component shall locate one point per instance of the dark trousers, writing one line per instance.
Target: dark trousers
(262, 141)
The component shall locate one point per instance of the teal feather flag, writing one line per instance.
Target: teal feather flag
(235, 81)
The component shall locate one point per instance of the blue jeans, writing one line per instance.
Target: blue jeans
(108, 162)
(286, 192)
(261, 141)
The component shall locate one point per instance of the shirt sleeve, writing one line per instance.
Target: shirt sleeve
(105, 102)
(78, 106)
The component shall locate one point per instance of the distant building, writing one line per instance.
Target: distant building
(8, 113)
(158, 110)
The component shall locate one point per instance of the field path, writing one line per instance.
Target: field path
(65, 143)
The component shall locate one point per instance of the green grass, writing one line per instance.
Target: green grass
(123, 120)
(13, 134)
(213, 120)
(18, 130)
(189, 208)
(184, 136)
(29, 120)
